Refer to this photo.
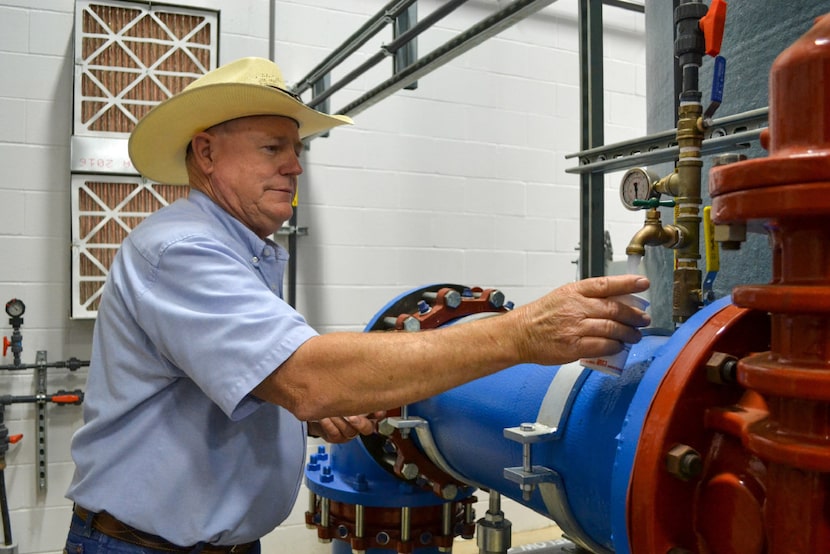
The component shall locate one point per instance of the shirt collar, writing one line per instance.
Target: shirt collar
(256, 245)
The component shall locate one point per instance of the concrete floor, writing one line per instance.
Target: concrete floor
(463, 546)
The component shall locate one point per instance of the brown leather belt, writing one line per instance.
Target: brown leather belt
(111, 527)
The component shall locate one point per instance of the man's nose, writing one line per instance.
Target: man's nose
(294, 166)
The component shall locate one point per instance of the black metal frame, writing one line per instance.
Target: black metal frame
(592, 109)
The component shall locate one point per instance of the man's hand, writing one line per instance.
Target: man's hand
(344, 429)
(580, 320)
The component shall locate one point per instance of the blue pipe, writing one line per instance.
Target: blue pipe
(590, 456)
(468, 426)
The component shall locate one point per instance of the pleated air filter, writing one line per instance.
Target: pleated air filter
(129, 56)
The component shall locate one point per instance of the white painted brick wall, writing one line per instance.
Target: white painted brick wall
(462, 180)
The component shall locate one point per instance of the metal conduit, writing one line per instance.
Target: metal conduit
(451, 49)
(376, 23)
(626, 5)
(389, 49)
(350, 45)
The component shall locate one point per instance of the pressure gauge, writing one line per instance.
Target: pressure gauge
(637, 184)
(15, 307)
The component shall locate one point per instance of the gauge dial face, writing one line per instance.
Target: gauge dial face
(637, 184)
(15, 307)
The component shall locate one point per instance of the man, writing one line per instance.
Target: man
(202, 378)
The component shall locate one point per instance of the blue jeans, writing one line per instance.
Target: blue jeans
(83, 539)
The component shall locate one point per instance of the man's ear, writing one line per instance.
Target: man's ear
(202, 151)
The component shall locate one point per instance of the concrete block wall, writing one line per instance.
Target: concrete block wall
(462, 180)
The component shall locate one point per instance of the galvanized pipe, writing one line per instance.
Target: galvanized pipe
(451, 49)
(388, 49)
(351, 44)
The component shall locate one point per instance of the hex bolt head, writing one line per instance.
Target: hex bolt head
(448, 492)
(385, 428)
(452, 299)
(496, 299)
(721, 368)
(409, 471)
(411, 324)
(684, 462)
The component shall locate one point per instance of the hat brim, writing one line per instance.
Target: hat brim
(158, 144)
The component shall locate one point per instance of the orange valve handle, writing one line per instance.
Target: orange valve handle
(66, 399)
(14, 439)
(712, 24)
(6, 344)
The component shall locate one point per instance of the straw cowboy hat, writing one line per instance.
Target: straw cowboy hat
(245, 87)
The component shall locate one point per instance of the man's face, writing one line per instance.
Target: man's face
(254, 168)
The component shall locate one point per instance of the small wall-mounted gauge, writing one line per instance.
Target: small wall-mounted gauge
(15, 307)
(637, 184)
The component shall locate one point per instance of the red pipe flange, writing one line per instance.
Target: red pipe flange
(790, 191)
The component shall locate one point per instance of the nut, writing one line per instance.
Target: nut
(721, 368)
(684, 462)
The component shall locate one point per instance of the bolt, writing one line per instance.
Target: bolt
(385, 428)
(448, 492)
(411, 324)
(382, 538)
(452, 299)
(361, 484)
(423, 307)
(730, 235)
(496, 299)
(729, 372)
(721, 368)
(322, 455)
(327, 477)
(684, 462)
(313, 464)
(527, 426)
(409, 471)
(728, 158)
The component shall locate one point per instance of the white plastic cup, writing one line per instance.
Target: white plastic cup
(614, 364)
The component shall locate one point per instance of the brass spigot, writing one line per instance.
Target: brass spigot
(653, 232)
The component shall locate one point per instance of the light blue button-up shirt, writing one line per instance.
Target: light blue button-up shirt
(191, 320)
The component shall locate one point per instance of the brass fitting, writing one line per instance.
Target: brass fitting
(669, 185)
(653, 233)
